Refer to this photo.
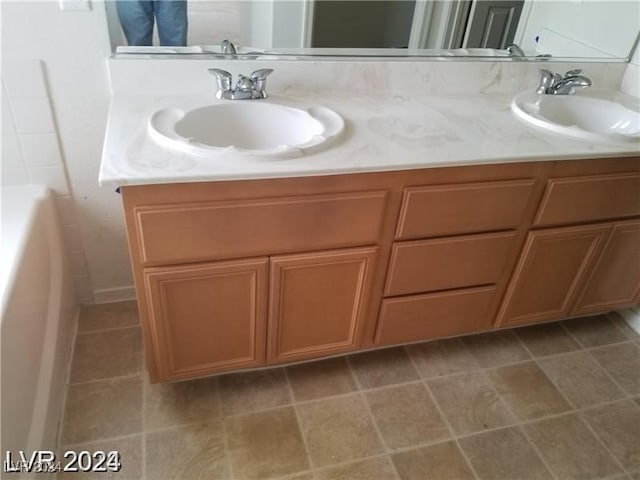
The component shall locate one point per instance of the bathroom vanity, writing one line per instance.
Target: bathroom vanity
(246, 274)
(435, 213)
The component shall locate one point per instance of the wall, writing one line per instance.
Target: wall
(581, 27)
(31, 154)
(73, 48)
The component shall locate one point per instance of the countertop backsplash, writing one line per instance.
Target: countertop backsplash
(143, 76)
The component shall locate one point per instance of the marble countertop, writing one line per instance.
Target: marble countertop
(382, 133)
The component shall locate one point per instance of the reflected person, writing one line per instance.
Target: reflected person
(137, 19)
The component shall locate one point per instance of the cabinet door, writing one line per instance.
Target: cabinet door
(207, 318)
(614, 282)
(549, 273)
(317, 303)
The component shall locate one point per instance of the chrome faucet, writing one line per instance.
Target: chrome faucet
(247, 88)
(555, 84)
(514, 50)
(228, 48)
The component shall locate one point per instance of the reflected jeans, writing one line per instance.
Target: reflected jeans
(137, 17)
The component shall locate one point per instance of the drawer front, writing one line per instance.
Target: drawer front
(585, 199)
(447, 263)
(463, 208)
(170, 234)
(442, 314)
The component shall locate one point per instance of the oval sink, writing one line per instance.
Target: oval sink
(579, 116)
(252, 127)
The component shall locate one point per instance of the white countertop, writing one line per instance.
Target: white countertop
(396, 132)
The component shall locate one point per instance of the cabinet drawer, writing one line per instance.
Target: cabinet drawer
(446, 263)
(463, 208)
(442, 314)
(585, 199)
(170, 234)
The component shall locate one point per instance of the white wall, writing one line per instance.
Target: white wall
(74, 47)
(582, 27)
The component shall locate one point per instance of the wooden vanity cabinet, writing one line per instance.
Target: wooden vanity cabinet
(247, 274)
(450, 281)
(591, 266)
(277, 274)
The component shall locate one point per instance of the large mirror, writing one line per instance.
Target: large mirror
(585, 29)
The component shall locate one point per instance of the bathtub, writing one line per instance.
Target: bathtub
(38, 320)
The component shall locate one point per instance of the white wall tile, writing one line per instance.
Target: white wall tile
(72, 237)
(53, 177)
(3, 92)
(7, 118)
(40, 149)
(32, 115)
(66, 210)
(11, 152)
(14, 176)
(23, 78)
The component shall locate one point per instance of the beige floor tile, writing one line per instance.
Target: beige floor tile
(108, 315)
(618, 426)
(406, 416)
(323, 378)
(299, 476)
(504, 453)
(442, 357)
(441, 461)
(252, 391)
(619, 321)
(547, 339)
(173, 404)
(594, 331)
(194, 451)
(104, 409)
(528, 391)
(581, 379)
(337, 430)
(377, 468)
(130, 450)
(470, 403)
(383, 367)
(622, 362)
(265, 444)
(570, 448)
(637, 400)
(108, 354)
(496, 348)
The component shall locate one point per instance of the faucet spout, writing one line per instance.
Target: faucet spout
(514, 50)
(228, 48)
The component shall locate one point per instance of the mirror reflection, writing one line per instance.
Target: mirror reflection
(601, 29)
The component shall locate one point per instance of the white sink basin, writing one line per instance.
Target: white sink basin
(579, 116)
(250, 127)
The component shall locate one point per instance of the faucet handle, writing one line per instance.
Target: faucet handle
(259, 80)
(223, 78)
(573, 73)
(261, 74)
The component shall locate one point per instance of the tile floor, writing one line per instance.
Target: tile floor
(554, 401)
